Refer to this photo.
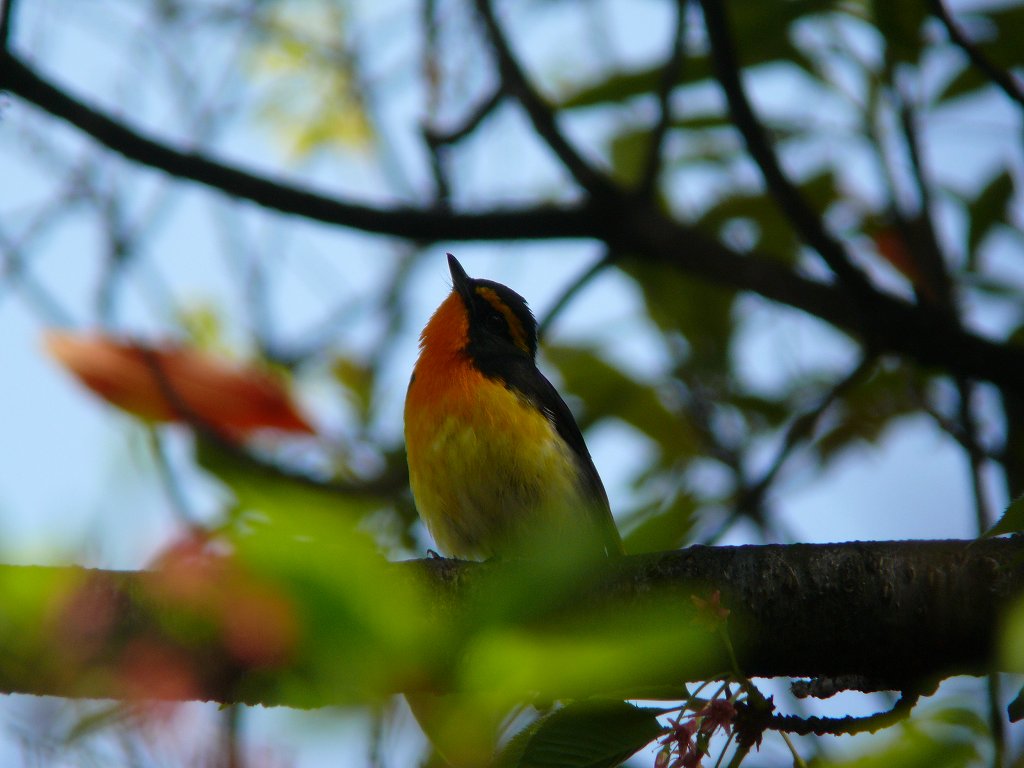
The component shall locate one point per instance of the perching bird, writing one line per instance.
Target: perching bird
(495, 456)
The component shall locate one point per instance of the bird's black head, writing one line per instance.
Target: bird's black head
(500, 322)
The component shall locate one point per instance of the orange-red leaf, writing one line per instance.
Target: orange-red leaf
(171, 382)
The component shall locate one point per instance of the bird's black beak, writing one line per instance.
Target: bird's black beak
(461, 282)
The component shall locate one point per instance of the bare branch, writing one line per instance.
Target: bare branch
(412, 223)
(1000, 77)
(570, 292)
(788, 197)
(469, 124)
(541, 115)
(884, 323)
(800, 429)
(670, 75)
(803, 726)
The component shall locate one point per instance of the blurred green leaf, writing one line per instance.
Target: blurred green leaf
(700, 311)
(868, 409)
(356, 378)
(901, 26)
(1011, 521)
(660, 526)
(629, 152)
(1012, 640)
(586, 734)
(361, 624)
(968, 720)
(588, 652)
(997, 31)
(763, 30)
(944, 739)
(260, 492)
(311, 96)
(989, 209)
(606, 390)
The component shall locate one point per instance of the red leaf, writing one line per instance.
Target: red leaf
(171, 382)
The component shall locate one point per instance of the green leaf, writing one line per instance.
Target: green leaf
(606, 390)
(629, 151)
(868, 409)
(700, 311)
(921, 744)
(588, 734)
(615, 88)
(257, 489)
(659, 527)
(761, 33)
(356, 378)
(967, 80)
(1011, 643)
(997, 31)
(900, 24)
(989, 209)
(1011, 521)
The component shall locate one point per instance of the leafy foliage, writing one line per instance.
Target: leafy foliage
(856, 99)
(591, 734)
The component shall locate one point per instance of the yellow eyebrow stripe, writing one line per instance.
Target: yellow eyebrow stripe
(515, 327)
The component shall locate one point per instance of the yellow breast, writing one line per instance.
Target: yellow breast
(487, 468)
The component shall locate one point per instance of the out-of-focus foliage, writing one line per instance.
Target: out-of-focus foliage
(944, 737)
(311, 96)
(878, 119)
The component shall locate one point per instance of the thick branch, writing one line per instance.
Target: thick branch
(411, 223)
(904, 613)
(884, 323)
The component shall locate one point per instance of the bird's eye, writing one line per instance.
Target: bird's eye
(495, 322)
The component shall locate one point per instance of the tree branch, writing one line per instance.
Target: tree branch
(904, 613)
(788, 197)
(540, 114)
(884, 323)
(670, 75)
(438, 138)
(1000, 77)
(411, 223)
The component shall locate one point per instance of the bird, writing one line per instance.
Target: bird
(496, 459)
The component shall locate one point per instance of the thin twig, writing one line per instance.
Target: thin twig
(975, 456)
(430, 71)
(922, 240)
(172, 486)
(997, 75)
(540, 113)
(544, 221)
(799, 429)
(670, 75)
(888, 323)
(803, 726)
(469, 124)
(232, 737)
(983, 520)
(570, 292)
(801, 215)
